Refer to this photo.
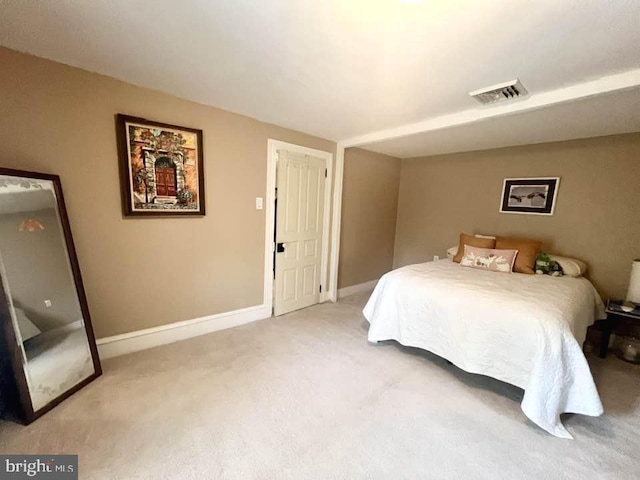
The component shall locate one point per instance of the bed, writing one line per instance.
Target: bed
(526, 330)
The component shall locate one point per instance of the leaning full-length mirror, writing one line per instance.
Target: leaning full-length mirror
(47, 328)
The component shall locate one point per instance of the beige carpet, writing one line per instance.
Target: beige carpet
(305, 396)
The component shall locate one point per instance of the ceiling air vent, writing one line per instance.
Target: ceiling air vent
(499, 93)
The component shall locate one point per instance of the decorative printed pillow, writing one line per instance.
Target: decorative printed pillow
(489, 259)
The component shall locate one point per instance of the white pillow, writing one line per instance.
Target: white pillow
(572, 267)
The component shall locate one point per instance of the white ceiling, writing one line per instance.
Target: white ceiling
(590, 117)
(342, 68)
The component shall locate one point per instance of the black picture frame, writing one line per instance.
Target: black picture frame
(149, 208)
(530, 196)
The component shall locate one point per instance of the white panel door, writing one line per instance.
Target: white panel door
(300, 213)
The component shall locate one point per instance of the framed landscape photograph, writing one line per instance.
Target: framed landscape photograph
(161, 168)
(535, 196)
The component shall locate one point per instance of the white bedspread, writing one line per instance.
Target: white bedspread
(526, 330)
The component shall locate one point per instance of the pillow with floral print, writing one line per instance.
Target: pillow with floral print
(489, 259)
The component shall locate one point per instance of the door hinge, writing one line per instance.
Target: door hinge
(320, 288)
(325, 173)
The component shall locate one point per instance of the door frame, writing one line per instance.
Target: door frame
(270, 228)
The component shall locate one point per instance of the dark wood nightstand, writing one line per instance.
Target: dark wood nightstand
(615, 315)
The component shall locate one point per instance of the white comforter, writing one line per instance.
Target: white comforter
(526, 330)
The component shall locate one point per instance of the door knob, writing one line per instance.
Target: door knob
(279, 247)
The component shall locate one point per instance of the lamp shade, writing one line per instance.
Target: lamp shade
(633, 294)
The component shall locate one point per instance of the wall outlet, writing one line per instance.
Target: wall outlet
(259, 203)
(436, 258)
(47, 303)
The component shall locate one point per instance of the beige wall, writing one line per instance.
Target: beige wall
(142, 273)
(597, 215)
(369, 207)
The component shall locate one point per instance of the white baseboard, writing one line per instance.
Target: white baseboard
(353, 289)
(152, 337)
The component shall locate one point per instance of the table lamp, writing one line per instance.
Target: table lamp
(633, 294)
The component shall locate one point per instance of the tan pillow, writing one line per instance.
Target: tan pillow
(489, 259)
(527, 252)
(472, 242)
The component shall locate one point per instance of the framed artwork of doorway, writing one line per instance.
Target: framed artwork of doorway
(161, 168)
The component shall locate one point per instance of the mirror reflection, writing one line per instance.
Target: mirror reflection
(40, 289)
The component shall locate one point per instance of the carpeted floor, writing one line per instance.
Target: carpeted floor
(304, 396)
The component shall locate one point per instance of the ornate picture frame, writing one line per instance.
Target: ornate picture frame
(161, 168)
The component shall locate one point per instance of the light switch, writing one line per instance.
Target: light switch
(47, 303)
(259, 204)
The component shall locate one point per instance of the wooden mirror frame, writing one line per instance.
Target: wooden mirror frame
(13, 379)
